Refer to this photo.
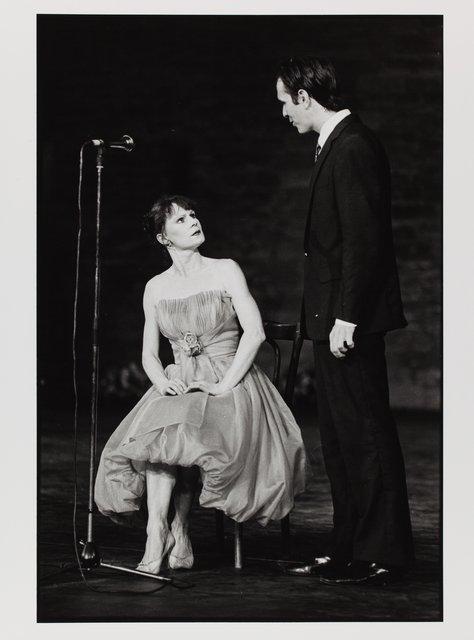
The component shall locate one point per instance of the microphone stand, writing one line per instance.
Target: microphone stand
(90, 555)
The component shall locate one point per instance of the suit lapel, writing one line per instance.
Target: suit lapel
(327, 147)
(317, 168)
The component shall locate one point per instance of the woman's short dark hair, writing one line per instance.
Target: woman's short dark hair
(155, 219)
(317, 76)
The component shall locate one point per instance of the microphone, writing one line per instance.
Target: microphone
(126, 143)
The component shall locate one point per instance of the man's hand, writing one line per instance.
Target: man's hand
(340, 339)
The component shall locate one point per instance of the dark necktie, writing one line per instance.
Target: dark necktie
(318, 151)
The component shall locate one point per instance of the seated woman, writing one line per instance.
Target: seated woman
(213, 409)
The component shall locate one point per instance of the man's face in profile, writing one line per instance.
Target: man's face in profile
(297, 114)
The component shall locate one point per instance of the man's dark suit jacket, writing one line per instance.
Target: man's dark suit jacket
(350, 269)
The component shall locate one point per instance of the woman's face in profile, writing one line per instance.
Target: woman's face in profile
(183, 229)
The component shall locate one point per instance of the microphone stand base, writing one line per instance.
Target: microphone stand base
(90, 556)
(90, 559)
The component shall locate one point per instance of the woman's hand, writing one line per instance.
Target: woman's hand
(212, 388)
(173, 387)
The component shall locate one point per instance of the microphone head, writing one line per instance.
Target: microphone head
(126, 143)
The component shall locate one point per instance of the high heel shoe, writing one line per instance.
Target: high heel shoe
(181, 557)
(154, 566)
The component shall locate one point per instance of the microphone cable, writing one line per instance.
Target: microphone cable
(76, 406)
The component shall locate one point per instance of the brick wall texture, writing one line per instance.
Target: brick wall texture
(198, 95)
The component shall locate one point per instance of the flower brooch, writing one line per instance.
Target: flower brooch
(190, 344)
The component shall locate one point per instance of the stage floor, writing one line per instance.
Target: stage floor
(213, 590)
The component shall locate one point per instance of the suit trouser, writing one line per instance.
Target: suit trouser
(362, 454)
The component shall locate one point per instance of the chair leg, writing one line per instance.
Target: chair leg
(285, 535)
(220, 529)
(238, 534)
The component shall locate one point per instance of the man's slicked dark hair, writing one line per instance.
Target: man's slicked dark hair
(317, 76)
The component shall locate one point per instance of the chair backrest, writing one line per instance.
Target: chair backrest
(275, 331)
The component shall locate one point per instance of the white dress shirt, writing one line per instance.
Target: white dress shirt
(330, 124)
(326, 130)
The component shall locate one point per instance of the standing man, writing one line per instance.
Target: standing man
(351, 299)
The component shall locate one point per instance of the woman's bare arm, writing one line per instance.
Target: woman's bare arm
(251, 322)
(151, 344)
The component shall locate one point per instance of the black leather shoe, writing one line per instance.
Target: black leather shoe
(360, 573)
(319, 563)
(381, 574)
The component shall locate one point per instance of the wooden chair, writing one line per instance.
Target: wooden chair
(274, 332)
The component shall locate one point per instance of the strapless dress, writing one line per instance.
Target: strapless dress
(245, 442)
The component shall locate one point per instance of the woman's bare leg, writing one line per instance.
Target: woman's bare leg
(182, 553)
(186, 483)
(160, 480)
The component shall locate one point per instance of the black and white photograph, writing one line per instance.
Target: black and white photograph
(241, 196)
(239, 318)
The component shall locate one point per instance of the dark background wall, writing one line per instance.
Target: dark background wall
(197, 94)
